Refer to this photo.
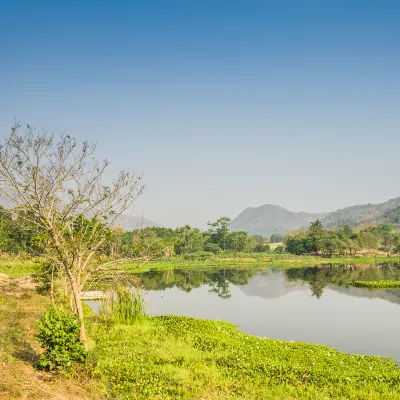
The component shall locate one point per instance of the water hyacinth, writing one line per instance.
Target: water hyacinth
(381, 284)
(175, 357)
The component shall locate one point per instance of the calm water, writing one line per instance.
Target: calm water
(303, 304)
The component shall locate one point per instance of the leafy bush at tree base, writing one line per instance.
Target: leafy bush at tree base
(59, 336)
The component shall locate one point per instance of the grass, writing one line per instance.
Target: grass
(383, 284)
(17, 268)
(123, 306)
(171, 357)
(257, 261)
(174, 357)
(19, 310)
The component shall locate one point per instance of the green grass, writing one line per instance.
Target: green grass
(18, 268)
(257, 261)
(383, 284)
(174, 357)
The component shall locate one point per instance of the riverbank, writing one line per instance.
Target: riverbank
(278, 261)
(16, 267)
(180, 357)
(20, 307)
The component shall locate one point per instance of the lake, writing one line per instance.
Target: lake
(303, 304)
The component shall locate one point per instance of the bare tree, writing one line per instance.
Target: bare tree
(58, 187)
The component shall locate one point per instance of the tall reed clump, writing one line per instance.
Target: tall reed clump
(123, 305)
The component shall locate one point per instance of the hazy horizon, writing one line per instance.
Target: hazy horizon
(220, 105)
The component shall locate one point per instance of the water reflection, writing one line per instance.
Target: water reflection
(307, 304)
(318, 277)
(218, 280)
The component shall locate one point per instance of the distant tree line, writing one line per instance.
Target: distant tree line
(188, 241)
(17, 237)
(318, 241)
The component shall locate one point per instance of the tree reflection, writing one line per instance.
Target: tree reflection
(320, 276)
(219, 280)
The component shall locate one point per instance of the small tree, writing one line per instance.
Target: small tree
(58, 187)
(218, 232)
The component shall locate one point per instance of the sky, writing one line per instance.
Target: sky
(221, 105)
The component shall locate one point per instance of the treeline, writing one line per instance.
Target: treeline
(187, 241)
(18, 237)
(318, 241)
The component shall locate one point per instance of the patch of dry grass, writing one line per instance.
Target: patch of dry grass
(20, 307)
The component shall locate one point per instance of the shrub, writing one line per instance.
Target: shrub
(262, 248)
(212, 248)
(59, 336)
(200, 255)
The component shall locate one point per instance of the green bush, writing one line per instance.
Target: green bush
(199, 255)
(212, 248)
(59, 336)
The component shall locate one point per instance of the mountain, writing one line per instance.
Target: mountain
(132, 222)
(269, 219)
(389, 211)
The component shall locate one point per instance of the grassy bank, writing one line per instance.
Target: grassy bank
(17, 267)
(256, 261)
(26, 267)
(179, 357)
(383, 284)
(19, 379)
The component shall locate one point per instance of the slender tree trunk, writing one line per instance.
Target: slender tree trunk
(52, 286)
(79, 308)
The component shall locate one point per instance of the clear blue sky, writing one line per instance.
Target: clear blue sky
(220, 104)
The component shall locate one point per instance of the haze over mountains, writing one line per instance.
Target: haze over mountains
(268, 219)
(132, 222)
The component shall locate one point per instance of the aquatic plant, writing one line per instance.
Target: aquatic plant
(123, 305)
(383, 284)
(180, 357)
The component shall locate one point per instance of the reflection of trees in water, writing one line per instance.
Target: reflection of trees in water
(319, 277)
(219, 280)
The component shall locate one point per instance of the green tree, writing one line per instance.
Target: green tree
(241, 241)
(276, 238)
(189, 240)
(58, 187)
(218, 232)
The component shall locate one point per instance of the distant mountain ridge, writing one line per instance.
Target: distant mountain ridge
(132, 222)
(387, 211)
(268, 219)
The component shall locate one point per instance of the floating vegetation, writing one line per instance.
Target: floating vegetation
(171, 357)
(375, 284)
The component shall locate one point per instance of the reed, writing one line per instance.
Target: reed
(123, 305)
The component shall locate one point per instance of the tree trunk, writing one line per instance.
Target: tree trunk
(79, 309)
